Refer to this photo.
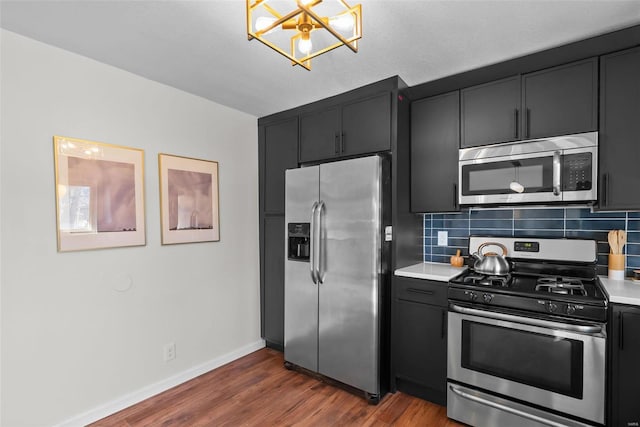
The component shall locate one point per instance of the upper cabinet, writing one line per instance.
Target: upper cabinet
(490, 112)
(320, 135)
(353, 128)
(279, 151)
(619, 131)
(555, 101)
(435, 137)
(561, 100)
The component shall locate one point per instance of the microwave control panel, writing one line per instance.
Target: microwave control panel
(576, 172)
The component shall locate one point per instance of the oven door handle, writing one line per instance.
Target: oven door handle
(504, 408)
(583, 329)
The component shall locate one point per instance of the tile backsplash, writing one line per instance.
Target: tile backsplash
(527, 222)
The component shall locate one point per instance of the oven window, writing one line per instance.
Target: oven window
(541, 361)
(533, 175)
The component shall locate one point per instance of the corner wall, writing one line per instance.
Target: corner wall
(71, 340)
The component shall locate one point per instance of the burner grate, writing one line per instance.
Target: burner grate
(561, 285)
(485, 280)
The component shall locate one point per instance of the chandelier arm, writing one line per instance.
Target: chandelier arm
(285, 21)
(300, 62)
(272, 10)
(327, 27)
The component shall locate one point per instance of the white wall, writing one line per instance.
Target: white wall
(70, 340)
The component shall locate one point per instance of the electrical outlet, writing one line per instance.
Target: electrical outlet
(169, 351)
(443, 237)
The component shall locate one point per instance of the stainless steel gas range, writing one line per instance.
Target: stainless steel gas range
(527, 347)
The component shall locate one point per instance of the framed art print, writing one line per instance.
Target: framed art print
(188, 200)
(99, 195)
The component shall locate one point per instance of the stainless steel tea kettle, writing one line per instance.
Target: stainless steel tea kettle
(491, 262)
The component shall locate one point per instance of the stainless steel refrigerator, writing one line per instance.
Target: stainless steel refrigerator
(335, 270)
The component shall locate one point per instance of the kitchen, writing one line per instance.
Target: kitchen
(107, 355)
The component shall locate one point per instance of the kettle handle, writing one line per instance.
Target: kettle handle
(503, 247)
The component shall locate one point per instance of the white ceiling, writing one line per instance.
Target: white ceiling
(201, 46)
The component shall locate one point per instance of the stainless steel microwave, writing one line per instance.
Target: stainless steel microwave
(546, 170)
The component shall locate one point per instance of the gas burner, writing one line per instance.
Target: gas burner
(484, 280)
(561, 285)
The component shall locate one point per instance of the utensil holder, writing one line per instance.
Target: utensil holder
(616, 266)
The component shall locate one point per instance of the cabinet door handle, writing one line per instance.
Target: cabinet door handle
(444, 323)
(342, 142)
(337, 144)
(420, 291)
(455, 195)
(605, 184)
(527, 123)
(515, 123)
(620, 331)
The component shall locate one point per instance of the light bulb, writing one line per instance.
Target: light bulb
(264, 22)
(344, 22)
(305, 45)
(516, 186)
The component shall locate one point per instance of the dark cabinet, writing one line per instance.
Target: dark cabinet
(561, 100)
(274, 279)
(419, 338)
(320, 135)
(354, 128)
(278, 151)
(625, 366)
(280, 147)
(366, 125)
(435, 138)
(554, 101)
(490, 112)
(619, 131)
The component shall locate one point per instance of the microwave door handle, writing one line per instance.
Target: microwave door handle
(556, 173)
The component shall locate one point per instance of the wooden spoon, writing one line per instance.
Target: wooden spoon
(622, 240)
(613, 241)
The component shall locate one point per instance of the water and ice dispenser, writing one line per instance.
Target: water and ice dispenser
(298, 241)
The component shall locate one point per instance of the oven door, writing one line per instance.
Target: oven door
(511, 179)
(546, 363)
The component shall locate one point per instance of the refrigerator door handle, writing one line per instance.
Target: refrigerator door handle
(320, 260)
(312, 254)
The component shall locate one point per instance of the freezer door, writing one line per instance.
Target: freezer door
(300, 292)
(350, 199)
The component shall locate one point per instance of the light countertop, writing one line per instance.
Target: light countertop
(431, 271)
(622, 291)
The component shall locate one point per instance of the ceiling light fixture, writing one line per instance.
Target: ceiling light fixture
(316, 27)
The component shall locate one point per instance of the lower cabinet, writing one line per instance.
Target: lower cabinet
(624, 378)
(273, 281)
(419, 338)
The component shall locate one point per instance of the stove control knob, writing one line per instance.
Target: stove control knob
(487, 298)
(551, 307)
(571, 309)
(473, 296)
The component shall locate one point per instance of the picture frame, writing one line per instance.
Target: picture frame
(189, 199)
(99, 191)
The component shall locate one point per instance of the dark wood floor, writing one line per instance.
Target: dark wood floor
(257, 390)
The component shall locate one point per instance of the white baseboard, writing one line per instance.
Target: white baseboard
(127, 400)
